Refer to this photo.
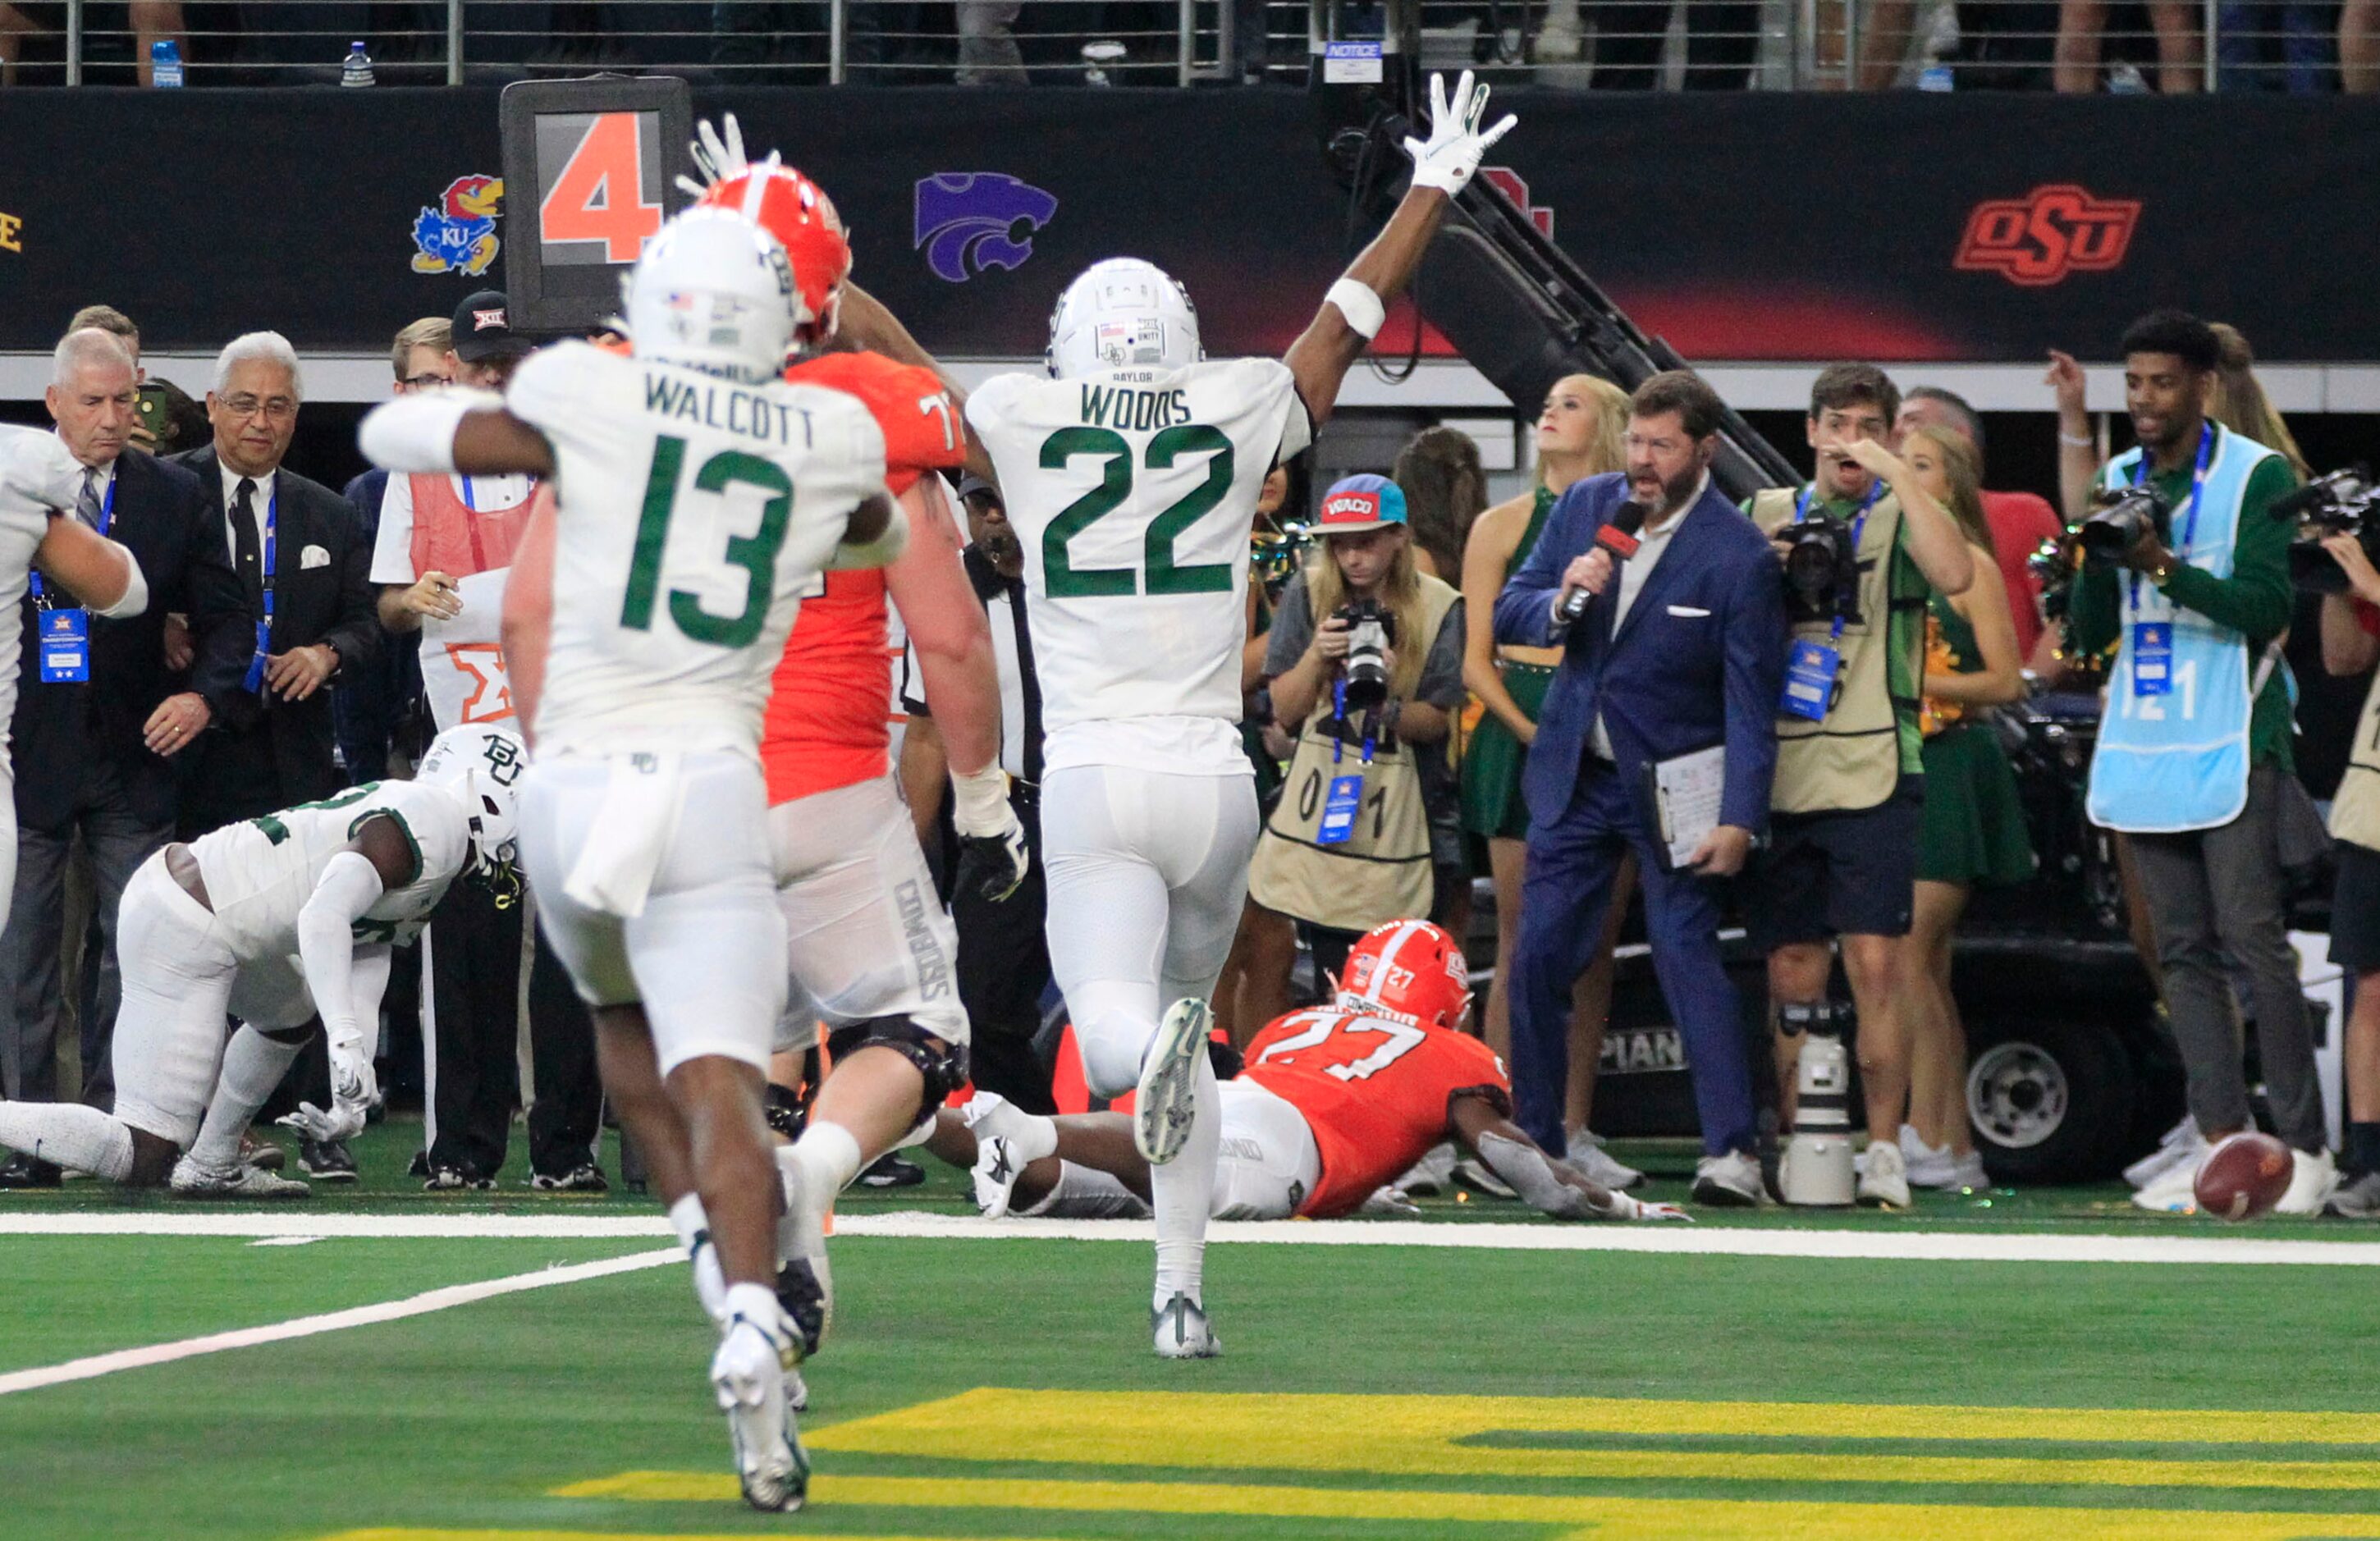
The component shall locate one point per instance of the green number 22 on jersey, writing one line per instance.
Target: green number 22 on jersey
(1066, 581)
(756, 552)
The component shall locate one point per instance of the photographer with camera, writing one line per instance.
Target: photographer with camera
(2350, 645)
(1370, 692)
(1862, 545)
(2188, 574)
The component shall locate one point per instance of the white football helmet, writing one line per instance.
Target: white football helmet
(481, 766)
(712, 292)
(1120, 314)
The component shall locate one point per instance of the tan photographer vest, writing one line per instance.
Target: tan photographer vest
(1852, 759)
(1381, 871)
(2355, 808)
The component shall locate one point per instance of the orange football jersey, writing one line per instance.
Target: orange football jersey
(1374, 1090)
(831, 704)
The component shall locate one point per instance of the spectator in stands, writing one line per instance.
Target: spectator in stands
(371, 707)
(2358, 47)
(94, 750)
(2018, 522)
(988, 51)
(1004, 962)
(1445, 489)
(2082, 25)
(1974, 828)
(1578, 435)
(2272, 45)
(1722, 39)
(15, 28)
(1348, 845)
(443, 550)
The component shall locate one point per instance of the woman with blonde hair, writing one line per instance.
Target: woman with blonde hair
(2239, 402)
(1578, 435)
(1973, 830)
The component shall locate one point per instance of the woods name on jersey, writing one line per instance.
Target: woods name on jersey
(1134, 411)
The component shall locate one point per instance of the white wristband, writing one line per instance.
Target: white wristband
(979, 800)
(1366, 315)
(2079, 441)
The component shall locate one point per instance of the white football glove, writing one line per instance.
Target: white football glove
(717, 159)
(1638, 1209)
(1456, 145)
(343, 1122)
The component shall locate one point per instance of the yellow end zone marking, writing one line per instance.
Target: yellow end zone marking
(1424, 1435)
(1581, 1517)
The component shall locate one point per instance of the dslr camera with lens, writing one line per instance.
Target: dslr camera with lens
(2341, 503)
(1371, 631)
(1821, 570)
(2123, 517)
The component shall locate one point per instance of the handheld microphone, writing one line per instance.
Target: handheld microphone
(1619, 538)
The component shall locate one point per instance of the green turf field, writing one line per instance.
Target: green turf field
(1004, 1387)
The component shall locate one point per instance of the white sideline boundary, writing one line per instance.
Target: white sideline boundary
(1877, 1244)
(332, 1321)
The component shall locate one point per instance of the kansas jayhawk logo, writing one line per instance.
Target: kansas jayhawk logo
(459, 234)
(970, 221)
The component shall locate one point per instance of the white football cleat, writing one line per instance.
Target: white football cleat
(192, 1179)
(748, 1376)
(2313, 1179)
(996, 1171)
(1169, 1082)
(1884, 1180)
(1183, 1331)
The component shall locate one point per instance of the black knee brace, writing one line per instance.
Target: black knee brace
(942, 1064)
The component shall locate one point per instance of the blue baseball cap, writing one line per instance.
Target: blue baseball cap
(1361, 504)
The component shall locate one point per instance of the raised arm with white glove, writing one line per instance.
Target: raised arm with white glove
(339, 975)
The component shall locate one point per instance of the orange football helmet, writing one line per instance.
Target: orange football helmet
(798, 213)
(1410, 970)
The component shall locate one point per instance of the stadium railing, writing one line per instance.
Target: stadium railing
(2274, 45)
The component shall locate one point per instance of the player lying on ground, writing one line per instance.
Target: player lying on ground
(698, 497)
(871, 954)
(1132, 475)
(1334, 1102)
(210, 928)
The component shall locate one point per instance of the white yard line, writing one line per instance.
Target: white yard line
(330, 1321)
(2215, 1244)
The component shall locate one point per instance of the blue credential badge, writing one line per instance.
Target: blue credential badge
(1338, 810)
(2152, 658)
(65, 645)
(1810, 670)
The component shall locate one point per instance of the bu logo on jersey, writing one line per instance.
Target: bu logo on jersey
(968, 221)
(2038, 239)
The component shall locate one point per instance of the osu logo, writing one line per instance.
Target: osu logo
(2039, 238)
(1513, 185)
(970, 221)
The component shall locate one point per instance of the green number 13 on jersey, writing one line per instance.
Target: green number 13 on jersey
(756, 552)
(1163, 576)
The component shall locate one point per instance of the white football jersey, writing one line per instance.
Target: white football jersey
(1133, 493)
(259, 872)
(37, 474)
(693, 511)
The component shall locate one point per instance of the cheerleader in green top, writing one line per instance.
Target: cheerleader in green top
(1578, 435)
(1974, 825)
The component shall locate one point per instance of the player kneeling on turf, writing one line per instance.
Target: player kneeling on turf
(210, 928)
(1334, 1102)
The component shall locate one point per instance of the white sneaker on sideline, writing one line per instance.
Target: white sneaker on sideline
(747, 1375)
(1169, 1082)
(2181, 1143)
(1884, 1182)
(240, 1179)
(2312, 1181)
(1585, 1154)
(1431, 1173)
(1926, 1166)
(1182, 1331)
(1967, 1175)
(1729, 1182)
(2173, 1192)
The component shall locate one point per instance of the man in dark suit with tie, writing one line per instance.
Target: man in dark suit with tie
(1679, 648)
(93, 745)
(303, 562)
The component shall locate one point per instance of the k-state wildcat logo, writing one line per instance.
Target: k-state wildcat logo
(972, 220)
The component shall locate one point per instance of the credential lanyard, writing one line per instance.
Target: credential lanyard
(264, 625)
(1859, 527)
(2190, 509)
(1338, 713)
(106, 517)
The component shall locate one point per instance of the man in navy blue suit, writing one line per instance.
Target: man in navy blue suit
(1681, 647)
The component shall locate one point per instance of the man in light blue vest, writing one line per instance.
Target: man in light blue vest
(2195, 750)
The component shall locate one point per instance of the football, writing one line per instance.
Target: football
(2243, 1176)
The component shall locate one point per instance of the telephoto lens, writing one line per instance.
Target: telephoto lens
(1370, 632)
(2124, 517)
